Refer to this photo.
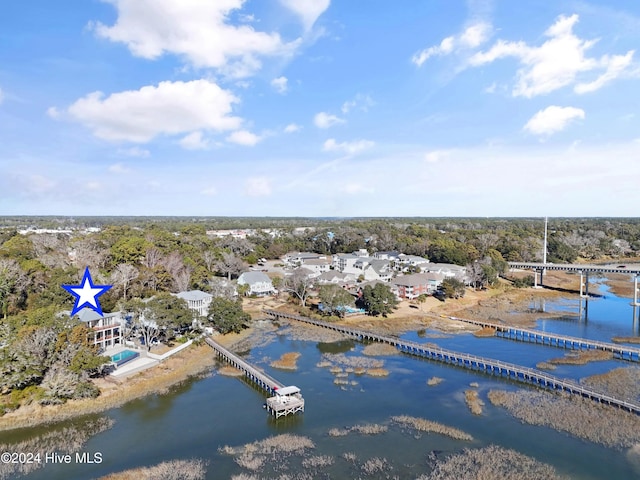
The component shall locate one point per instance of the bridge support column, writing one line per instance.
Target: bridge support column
(635, 292)
(584, 284)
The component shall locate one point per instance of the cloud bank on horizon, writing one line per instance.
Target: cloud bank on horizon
(320, 108)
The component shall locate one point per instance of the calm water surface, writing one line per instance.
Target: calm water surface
(195, 419)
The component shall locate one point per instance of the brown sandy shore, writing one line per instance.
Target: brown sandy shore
(511, 305)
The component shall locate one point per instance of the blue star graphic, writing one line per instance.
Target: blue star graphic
(86, 294)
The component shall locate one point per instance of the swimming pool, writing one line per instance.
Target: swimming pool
(123, 357)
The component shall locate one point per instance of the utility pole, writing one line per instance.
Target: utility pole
(544, 250)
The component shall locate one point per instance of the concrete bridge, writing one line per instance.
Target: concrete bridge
(472, 362)
(584, 270)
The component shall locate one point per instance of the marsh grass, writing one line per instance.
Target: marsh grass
(277, 454)
(67, 440)
(489, 463)
(545, 366)
(173, 470)
(424, 425)
(473, 401)
(623, 383)
(229, 371)
(375, 466)
(580, 417)
(582, 357)
(379, 349)
(318, 461)
(365, 429)
(485, 332)
(378, 372)
(634, 340)
(433, 381)
(288, 361)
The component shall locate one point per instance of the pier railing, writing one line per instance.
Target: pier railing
(266, 382)
(473, 362)
(556, 340)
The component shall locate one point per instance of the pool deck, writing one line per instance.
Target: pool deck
(132, 366)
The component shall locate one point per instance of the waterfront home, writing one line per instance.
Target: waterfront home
(197, 300)
(259, 283)
(407, 262)
(412, 286)
(107, 331)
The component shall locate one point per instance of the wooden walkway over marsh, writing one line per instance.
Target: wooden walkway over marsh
(472, 362)
(277, 405)
(621, 352)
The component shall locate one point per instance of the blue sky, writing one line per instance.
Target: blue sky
(319, 108)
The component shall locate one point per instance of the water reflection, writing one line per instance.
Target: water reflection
(342, 346)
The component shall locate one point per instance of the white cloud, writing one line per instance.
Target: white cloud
(307, 10)
(472, 37)
(195, 30)
(171, 108)
(357, 188)
(350, 148)
(292, 128)
(556, 63)
(257, 187)
(326, 120)
(280, 84)
(119, 168)
(243, 137)
(553, 119)
(436, 156)
(134, 152)
(52, 112)
(361, 101)
(194, 141)
(615, 65)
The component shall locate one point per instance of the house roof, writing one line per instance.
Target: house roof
(287, 390)
(89, 315)
(194, 295)
(253, 277)
(417, 279)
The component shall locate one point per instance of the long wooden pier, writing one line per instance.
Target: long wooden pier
(472, 362)
(279, 405)
(556, 340)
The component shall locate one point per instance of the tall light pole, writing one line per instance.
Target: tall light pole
(544, 249)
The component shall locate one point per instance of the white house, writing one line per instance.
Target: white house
(317, 265)
(197, 300)
(107, 331)
(259, 283)
(404, 262)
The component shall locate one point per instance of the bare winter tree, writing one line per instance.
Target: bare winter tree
(486, 241)
(152, 258)
(220, 287)
(51, 249)
(209, 260)
(174, 264)
(13, 282)
(230, 265)
(238, 246)
(123, 275)
(298, 284)
(88, 252)
(182, 279)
